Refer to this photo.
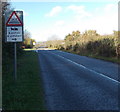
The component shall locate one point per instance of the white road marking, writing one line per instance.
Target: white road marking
(87, 68)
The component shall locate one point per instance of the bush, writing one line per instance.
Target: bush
(61, 47)
(69, 47)
(104, 47)
(76, 47)
(107, 48)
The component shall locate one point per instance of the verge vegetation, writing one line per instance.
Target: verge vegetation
(26, 93)
(91, 44)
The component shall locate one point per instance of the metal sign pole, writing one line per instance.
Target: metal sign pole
(15, 62)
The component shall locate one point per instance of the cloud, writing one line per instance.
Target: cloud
(110, 7)
(59, 23)
(54, 11)
(79, 10)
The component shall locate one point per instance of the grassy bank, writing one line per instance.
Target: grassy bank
(110, 59)
(26, 93)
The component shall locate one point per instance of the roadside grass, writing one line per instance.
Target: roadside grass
(30, 49)
(110, 59)
(26, 93)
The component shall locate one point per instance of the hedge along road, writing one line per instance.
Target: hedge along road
(73, 82)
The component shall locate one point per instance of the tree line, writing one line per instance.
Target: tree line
(90, 42)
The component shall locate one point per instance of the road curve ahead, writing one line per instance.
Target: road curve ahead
(73, 82)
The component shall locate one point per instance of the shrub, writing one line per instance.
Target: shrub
(76, 47)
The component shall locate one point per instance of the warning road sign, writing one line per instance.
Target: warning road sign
(14, 27)
(14, 20)
(14, 32)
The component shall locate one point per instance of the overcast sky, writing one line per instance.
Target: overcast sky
(45, 20)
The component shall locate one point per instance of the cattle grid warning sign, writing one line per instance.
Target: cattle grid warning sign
(14, 27)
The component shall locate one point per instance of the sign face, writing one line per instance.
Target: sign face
(14, 20)
(14, 34)
(14, 27)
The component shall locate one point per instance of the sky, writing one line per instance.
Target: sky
(50, 20)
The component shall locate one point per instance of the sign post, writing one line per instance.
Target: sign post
(15, 61)
(14, 32)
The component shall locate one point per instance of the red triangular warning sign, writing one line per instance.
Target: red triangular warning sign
(14, 20)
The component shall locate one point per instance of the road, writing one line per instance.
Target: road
(73, 82)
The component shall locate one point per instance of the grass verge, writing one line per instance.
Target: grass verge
(26, 93)
(110, 59)
(30, 49)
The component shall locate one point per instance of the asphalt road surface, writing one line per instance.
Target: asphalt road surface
(73, 82)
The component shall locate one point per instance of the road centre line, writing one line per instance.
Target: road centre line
(101, 74)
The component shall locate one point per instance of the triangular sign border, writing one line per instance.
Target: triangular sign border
(17, 18)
